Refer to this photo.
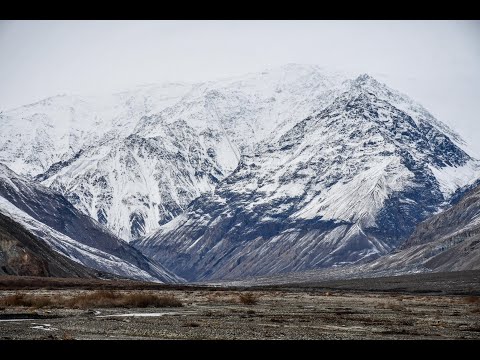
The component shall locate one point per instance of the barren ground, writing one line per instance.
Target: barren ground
(432, 306)
(309, 312)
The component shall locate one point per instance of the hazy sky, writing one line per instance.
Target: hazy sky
(435, 62)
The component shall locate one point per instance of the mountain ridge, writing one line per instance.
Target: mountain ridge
(284, 170)
(50, 217)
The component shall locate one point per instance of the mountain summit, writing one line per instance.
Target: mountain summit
(344, 185)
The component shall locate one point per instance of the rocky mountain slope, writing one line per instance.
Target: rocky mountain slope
(50, 217)
(345, 185)
(445, 242)
(23, 254)
(449, 241)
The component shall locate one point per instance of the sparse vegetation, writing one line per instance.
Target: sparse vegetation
(105, 299)
(396, 307)
(248, 299)
(97, 299)
(223, 297)
(35, 301)
(219, 313)
(472, 299)
(192, 324)
(67, 336)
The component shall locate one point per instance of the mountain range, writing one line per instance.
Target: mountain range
(287, 170)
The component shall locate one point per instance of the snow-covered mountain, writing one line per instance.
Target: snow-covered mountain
(135, 160)
(285, 170)
(51, 218)
(346, 184)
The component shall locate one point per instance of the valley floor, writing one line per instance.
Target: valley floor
(256, 313)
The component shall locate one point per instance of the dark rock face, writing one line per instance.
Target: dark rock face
(23, 254)
(56, 167)
(462, 191)
(137, 225)
(448, 241)
(342, 187)
(460, 221)
(402, 211)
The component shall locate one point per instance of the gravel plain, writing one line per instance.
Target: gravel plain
(277, 314)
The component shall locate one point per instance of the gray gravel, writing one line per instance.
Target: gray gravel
(292, 314)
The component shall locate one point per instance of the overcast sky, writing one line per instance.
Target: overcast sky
(435, 62)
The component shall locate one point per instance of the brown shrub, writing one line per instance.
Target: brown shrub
(472, 299)
(13, 300)
(248, 299)
(149, 300)
(223, 297)
(396, 307)
(191, 324)
(105, 299)
(67, 336)
(214, 296)
(26, 300)
(97, 299)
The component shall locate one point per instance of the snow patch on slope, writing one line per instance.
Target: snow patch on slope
(451, 178)
(342, 200)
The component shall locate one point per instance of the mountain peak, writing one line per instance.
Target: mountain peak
(345, 185)
(365, 79)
